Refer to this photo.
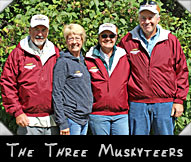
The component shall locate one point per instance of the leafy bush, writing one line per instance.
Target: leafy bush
(14, 25)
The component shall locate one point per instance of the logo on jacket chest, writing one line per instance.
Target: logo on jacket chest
(78, 74)
(93, 69)
(135, 51)
(29, 66)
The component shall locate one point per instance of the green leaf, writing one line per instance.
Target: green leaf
(123, 21)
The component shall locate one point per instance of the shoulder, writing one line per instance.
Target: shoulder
(57, 51)
(60, 66)
(90, 52)
(171, 36)
(167, 35)
(64, 58)
(120, 50)
(61, 59)
(16, 53)
(127, 36)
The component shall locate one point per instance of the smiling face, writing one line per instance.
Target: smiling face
(74, 43)
(148, 22)
(108, 42)
(38, 35)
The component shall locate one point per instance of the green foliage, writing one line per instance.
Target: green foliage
(14, 25)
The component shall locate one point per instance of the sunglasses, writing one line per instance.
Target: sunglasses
(106, 36)
(148, 2)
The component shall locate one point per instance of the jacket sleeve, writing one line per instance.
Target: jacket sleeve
(59, 78)
(181, 70)
(9, 84)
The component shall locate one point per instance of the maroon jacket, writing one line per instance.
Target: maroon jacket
(110, 93)
(26, 84)
(162, 77)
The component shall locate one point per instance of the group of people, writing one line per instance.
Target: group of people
(131, 88)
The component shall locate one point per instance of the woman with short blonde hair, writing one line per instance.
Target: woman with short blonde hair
(74, 29)
(72, 95)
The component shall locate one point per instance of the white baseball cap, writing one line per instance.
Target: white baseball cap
(108, 26)
(153, 8)
(39, 20)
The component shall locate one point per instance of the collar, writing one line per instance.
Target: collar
(163, 33)
(34, 47)
(69, 55)
(97, 49)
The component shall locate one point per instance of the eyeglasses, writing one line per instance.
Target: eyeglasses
(71, 39)
(148, 2)
(106, 36)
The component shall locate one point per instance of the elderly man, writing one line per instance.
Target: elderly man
(158, 83)
(26, 81)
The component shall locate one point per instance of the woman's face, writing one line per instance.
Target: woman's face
(107, 40)
(74, 43)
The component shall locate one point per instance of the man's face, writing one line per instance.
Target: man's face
(38, 35)
(148, 22)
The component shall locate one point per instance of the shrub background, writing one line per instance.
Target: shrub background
(14, 25)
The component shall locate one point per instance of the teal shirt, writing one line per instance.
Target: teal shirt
(96, 52)
(151, 43)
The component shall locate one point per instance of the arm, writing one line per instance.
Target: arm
(9, 88)
(59, 78)
(181, 70)
(9, 85)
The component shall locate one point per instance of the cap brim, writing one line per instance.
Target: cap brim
(114, 32)
(34, 25)
(148, 9)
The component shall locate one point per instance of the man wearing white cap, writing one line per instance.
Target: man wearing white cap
(158, 83)
(26, 81)
(39, 23)
(109, 69)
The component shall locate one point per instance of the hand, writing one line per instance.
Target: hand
(65, 131)
(22, 120)
(177, 110)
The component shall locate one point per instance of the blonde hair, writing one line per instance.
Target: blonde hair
(74, 29)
